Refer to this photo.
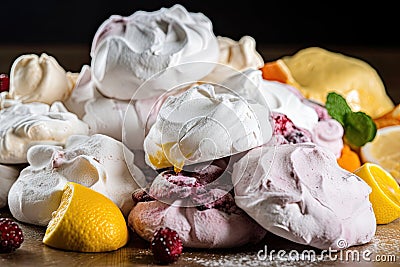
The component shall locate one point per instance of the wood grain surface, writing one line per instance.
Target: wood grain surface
(384, 249)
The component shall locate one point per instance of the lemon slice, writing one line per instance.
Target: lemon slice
(384, 150)
(385, 195)
(86, 221)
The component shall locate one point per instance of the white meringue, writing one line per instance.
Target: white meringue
(24, 125)
(127, 51)
(201, 125)
(8, 175)
(278, 96)
(83, 91)
(234, 56)
(6, 100)
(299, 192)
(96, 161)
(40, 79)
(112, 117)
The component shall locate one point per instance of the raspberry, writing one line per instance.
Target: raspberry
(11, 236)
(4, 82)
(166, 245)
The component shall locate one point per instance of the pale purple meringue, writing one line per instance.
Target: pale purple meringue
(299, 192)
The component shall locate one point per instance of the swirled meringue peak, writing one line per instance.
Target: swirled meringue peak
(205, 123)
(126, 51)
(238, 55)
(96, 161)
(36, 78)
(299, 192)
(329, 133)
(25, 125)
(107, 115)
(278, 96)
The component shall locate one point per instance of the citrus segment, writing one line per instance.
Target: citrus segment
(384, 150)
(278, 71)
(86, 221)
(274, 71)
(349, 160)
(385, 195)
(392, 118)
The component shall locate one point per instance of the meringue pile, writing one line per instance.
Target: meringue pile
(179, 128)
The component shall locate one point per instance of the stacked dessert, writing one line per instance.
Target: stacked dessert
(194, 139)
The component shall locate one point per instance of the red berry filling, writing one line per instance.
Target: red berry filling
(285, 127)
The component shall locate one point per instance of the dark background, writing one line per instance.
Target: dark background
(269, 22)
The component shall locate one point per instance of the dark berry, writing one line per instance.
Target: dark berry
(11, 236)
(140, 195)
(225, 203)
(166, 245)
(297, 137)
(285, 127)
(4, 82)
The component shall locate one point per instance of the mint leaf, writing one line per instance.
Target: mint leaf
(337, 107)
(359, 128)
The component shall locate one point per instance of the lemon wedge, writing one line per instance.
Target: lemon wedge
(385, 195)
(86, 221)
(384, 150)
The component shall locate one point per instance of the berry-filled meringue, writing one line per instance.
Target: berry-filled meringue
(299, 192)
(295, 118)
(8, 175)
(35, 78)
(204, 217)
(205, 123)
(98, 161)
(25, 125)
(127, 51)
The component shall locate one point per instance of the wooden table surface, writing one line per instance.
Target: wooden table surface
(384, 248)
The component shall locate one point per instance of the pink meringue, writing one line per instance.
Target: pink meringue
(203, 217)
(299, 192)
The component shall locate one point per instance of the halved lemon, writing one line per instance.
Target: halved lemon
(86, 221)
(385, 195)
(384, 150)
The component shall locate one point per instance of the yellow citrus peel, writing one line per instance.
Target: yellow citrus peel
(385, 195)
(86, 221)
